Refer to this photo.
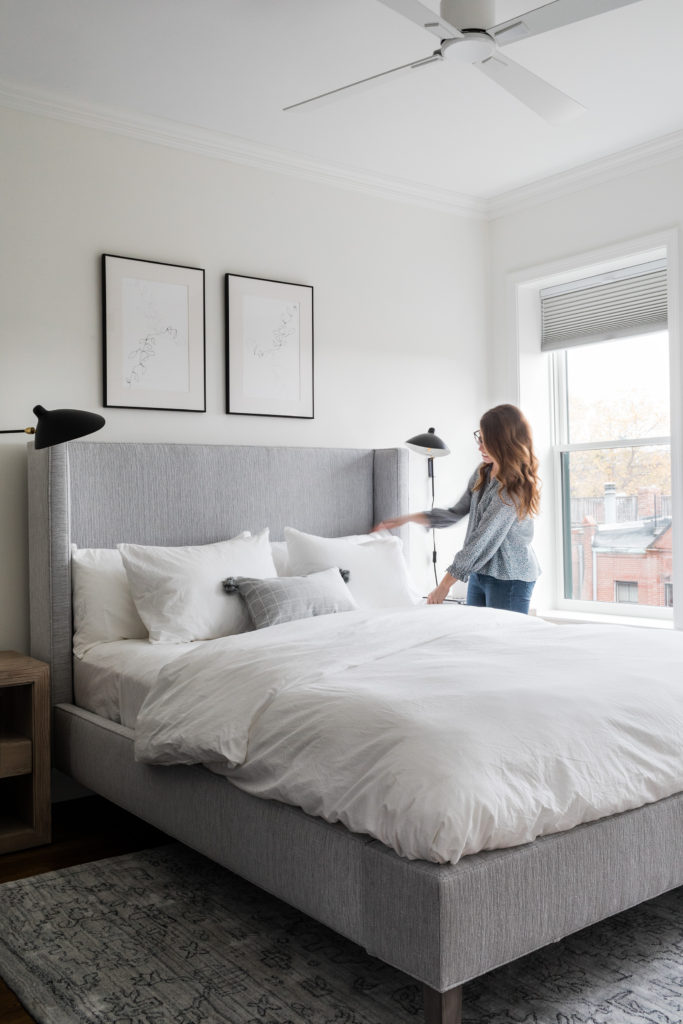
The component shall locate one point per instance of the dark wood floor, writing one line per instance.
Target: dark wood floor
(82, 830)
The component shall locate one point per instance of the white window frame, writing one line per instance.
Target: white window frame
(535, 395)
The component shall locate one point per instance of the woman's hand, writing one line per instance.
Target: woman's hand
(440, 593)
(392, 524)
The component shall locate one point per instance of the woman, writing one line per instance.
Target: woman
(501, 499)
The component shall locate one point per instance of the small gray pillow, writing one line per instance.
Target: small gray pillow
(286, 598)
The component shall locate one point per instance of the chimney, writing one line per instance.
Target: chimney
(610, 503)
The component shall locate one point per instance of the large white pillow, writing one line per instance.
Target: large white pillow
(379, 576)
(278, 549)
(179, 594)
(103, 606)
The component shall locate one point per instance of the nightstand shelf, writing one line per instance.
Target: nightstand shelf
(16, 755)
(24, 752)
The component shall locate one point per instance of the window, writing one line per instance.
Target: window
(610, 368)
(626, 592)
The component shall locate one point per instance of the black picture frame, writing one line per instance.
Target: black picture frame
(154, 335)
(269, 348)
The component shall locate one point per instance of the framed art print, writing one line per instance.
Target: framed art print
(269, 359)
(154, 335)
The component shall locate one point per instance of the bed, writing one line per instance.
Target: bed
(441, 923)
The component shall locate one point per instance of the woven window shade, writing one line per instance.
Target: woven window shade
(615, 305)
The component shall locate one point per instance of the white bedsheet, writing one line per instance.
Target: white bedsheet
(113, 679)
(440, 731)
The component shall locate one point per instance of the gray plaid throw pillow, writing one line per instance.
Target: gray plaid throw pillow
(283, 599)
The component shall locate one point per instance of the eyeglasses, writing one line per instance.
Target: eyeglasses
(477, 436)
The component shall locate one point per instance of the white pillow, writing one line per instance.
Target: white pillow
(378, 573)
(179, 594)
(103, 605)
(278, 549)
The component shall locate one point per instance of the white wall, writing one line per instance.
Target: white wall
(400, 305)
(613, 216)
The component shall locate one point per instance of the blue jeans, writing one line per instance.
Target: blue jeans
(488, 592)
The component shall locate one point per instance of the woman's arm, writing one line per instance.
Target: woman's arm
(440, 593)
(440, 517)
(392, 524)
(434, 519)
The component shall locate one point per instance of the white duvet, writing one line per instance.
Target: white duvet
(439, 731)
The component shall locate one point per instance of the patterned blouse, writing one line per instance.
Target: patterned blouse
(497, 543)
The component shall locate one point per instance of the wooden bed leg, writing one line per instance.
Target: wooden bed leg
(442, 1007)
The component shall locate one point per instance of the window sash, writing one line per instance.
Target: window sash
(629, 442)
(560, 412)
(562, 450)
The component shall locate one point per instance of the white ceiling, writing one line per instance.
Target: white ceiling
(229, 66)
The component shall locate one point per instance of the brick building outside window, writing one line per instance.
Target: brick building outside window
(627, 562)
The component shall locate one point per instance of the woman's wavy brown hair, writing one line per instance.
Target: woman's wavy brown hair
(508, 440)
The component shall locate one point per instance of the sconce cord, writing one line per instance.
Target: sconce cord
(430, 474)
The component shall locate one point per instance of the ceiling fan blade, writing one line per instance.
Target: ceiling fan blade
(552, 15)
(537, 94)
(425, 17)
(364, 83)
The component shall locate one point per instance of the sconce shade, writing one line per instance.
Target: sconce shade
(429, 444)
(60, 425)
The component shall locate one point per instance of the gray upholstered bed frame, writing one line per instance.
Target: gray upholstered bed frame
(443, 925)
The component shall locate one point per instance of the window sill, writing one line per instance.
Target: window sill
(562, 618)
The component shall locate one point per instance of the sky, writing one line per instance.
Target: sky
(615, 371)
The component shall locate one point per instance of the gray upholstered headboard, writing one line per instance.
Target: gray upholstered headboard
(98, 494)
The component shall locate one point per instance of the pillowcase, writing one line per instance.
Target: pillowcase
(379, 576)
(178, 591)
(272, 601)
(278, 549)
(103, 605)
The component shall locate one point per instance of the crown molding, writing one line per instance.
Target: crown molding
(596, 172)
(220, 146)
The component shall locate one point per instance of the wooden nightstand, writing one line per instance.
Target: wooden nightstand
(24, 752)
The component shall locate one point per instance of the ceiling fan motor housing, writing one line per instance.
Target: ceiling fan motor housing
(472, 47)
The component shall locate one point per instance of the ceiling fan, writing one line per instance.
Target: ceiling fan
(482, 46)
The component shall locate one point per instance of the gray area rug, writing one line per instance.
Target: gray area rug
(167, 937)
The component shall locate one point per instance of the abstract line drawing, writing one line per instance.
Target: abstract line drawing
(155, 335)
(271, 344)
(140, 356)
(281, 334)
